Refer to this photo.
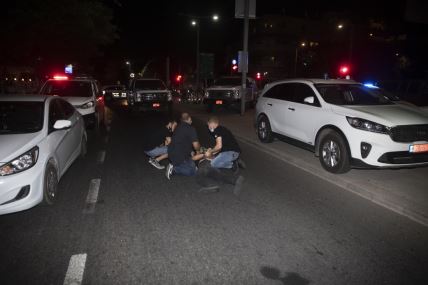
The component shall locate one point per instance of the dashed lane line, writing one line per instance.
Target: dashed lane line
(92, 198)
(76, 268)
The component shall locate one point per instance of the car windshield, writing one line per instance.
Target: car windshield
(149, 85)
(228, 81)
(21, 117)
(115, 88)
(66, 88)
(351, 94)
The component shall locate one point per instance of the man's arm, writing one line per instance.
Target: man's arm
(196, 145)
(167, 140)
(217, 148)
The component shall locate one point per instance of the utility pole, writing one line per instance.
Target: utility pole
(168, 77)
(245, 56)
(197, 56)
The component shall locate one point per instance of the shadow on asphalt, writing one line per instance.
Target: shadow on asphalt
(290, 278)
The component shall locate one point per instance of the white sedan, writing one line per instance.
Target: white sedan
(40, 137)
(345, 123)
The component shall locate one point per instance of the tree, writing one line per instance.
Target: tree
(55, 31)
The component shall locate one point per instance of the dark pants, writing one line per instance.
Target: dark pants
(186, 168)
(209, 176)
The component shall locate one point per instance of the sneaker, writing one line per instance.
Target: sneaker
(238, 185)
(168, 172)
(209, 189)
(156, 163)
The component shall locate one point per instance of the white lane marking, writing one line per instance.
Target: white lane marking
(76, 268)
(92, 197)
(101, 157)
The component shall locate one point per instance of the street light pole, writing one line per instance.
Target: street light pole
(245, 52)
(197, 55)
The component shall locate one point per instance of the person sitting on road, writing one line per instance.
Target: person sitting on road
(184, 141)
(222, 158)
(156, 146)
(226, 150)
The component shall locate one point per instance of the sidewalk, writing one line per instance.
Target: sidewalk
(404, 191)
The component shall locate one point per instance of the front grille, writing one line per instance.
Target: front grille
(403, 157)
(220, 94)
(411, 133)
(153, 96)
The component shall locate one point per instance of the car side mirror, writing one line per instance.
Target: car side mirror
(309, 100)
(62, 125)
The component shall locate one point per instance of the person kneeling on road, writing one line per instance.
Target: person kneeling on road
(156, 147)
(184, 141)
(222, 159)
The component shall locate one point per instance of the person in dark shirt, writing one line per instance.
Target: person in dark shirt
(223, 157)
(184, 141)
(156, 146)
(226, 150)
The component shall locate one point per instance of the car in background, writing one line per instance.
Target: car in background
(83, 93)
(40, 138)
(226, 91)
(114, 92)
(344, 122)
(149, 95)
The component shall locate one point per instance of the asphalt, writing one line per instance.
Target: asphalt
(286, 227)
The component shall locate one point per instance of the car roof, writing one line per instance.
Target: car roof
(24, 98)
(317, 81)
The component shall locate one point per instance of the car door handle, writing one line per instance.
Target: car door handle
(291, 109)
(269, 104)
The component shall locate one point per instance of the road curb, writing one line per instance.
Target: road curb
(369, 194)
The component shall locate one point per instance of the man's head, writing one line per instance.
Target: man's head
(171, 125)
(213, 123)
(185, 118)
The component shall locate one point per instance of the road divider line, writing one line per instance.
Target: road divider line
(76, 268)
(92, 198)
(101, 157)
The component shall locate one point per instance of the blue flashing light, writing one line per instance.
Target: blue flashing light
(370, 85)
(69, 69)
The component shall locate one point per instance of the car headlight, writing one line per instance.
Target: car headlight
(236, 93)
(88, 105)
(169, 96)
(207, 94)
(367, 125)
(104, 92)
(21, 163)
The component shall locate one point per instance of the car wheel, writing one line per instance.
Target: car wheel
(334, 154)
(264, 130)
(50, 185)
(83, 147)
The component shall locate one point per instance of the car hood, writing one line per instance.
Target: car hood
(77, 101)
(388, 115)
(224, 87)
(14, 145)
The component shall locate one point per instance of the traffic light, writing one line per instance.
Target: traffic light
(234, 65)
(178, 78)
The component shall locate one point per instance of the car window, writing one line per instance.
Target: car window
(283, 91)
(351, 94)
(66, 88)
(21, 117)
(302, 91)
(66, 108)
(55, 113)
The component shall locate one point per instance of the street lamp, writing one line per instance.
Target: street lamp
(196, 23)
(340, 26)
(302, 44)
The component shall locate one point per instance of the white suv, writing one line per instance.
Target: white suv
(345, 123)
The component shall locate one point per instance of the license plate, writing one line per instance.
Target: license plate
(219, 102)
(418, 148)
(156, 105)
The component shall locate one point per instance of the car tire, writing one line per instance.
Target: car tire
(83, 147)
(333, 153)
(264, 130)
(50, 185)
